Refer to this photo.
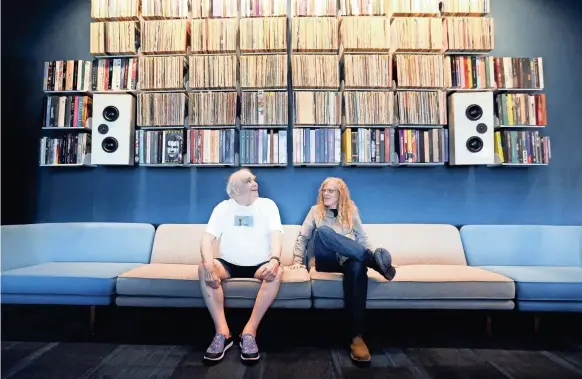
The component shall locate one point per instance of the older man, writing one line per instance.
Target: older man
(250, 232)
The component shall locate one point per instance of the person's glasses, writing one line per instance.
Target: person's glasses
(328, 190)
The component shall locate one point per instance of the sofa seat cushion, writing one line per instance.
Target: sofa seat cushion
(160, 279)
(544, 283)
(65, 278)
(422, 282)
(179, 280)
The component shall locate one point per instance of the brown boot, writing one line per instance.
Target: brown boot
(360, 351)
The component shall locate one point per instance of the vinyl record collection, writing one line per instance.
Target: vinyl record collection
(343, 82)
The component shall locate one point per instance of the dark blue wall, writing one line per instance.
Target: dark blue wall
(542, 195)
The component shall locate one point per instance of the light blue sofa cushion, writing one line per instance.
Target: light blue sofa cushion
(544, 283)
(24, 245)
(65, 278)
(57, 299)
(522, 245)
(550, 306)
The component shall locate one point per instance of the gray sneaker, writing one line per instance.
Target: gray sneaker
(249, 348)
(220, 344)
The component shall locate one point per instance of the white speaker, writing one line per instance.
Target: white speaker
(471, 128)
(113, 134)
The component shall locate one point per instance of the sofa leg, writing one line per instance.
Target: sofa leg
(537, 322)
(92, 319)
(489, 326)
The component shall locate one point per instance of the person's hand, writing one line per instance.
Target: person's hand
(268, 271)
(296, 266)
(211, 278)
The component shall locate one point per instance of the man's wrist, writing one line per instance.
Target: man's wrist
(277, 259)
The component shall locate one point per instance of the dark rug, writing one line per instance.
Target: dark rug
(57, 342)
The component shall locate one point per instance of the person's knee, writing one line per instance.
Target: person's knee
(279, 275)
(324, 231)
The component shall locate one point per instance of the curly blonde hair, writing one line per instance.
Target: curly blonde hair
(345, 205)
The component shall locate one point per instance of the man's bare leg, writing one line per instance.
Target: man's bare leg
(214, 297)
(265, 298)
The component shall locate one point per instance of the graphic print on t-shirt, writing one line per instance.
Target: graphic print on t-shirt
(243, 221)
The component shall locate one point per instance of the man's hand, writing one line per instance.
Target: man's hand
(212, 280)
(268, 271)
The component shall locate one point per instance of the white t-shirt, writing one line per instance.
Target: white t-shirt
(244, 231)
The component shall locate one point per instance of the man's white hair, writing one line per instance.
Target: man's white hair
(234, 181)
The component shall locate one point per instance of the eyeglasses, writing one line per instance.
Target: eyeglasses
(328, 190)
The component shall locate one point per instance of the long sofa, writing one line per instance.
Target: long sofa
(439, 267)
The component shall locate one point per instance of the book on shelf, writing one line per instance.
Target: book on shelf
(314, 8)
(522, 147)
(162, 73)
(317, 108)
(212, 108)
(68, 148)
(521, 109)
(208, 146)
(214, 35)
(468, 34)
(465, 8)
(367, 71)
(369, 108)
(263, 71)
(416, 34)
(364, 7)
(115, 38)
(114, 74)
(316, 145)
(66, 111)
(315, 71)
(470, 72)
(214, 9)
(69, 75)
(122, 10)
(420, 71)
(314, 34)
(163, 9)
(165, 37)
(415, 8)
(519, 72)
(365, 33)
(422, 108)
(161, 109)
(367, 145)
(160, 146)
(263, 34)
(212, 72)
(264, 108)
(263, 8)
(263, 146)
(422, 145)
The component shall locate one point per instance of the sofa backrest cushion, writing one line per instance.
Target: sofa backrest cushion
(522, 245)
(412, 244)
(21, 246)
(76, 242)
(180, 244)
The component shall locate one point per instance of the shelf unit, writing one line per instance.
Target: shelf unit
(215, 48)
(66, 114)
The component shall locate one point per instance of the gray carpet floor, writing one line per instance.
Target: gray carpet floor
(55, 342)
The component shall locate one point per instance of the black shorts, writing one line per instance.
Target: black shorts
(236, 271)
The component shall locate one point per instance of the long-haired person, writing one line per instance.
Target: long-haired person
(333, 239)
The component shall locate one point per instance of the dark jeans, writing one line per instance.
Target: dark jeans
(327, 245)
